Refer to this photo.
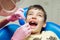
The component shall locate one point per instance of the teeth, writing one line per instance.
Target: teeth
(32, 22)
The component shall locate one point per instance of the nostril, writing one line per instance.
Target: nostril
(33, 17)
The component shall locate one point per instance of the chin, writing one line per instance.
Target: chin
(34, 32)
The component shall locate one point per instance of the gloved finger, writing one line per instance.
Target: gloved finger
(19, 12)
(26, 25)
(28, 33)
(22, 16)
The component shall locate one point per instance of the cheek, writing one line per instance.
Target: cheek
(28, 18)
(40, 22)
(40, 19)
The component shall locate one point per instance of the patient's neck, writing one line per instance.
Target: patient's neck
(35, 33)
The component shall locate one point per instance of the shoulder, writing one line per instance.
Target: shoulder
(48, 32)
(50, 35)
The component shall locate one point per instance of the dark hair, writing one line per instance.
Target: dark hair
(40, 8)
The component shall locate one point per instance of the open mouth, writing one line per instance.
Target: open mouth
(33, 23)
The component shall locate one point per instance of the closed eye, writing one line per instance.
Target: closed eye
(30, 14)
(40, 15)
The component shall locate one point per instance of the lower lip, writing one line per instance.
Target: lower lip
(32, 26)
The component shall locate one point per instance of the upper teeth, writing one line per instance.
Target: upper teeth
(32, 22)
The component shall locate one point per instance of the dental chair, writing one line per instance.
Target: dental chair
(7, 32)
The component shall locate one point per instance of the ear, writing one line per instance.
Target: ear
(44, 25)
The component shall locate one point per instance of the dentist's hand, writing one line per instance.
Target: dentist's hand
(22, 32)
(18, 14)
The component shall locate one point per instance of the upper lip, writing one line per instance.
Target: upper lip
(32, 20)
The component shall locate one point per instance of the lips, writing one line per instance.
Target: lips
(33, 23)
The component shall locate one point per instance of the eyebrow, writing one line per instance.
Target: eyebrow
(41, 13)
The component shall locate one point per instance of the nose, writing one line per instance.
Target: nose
(33, 17)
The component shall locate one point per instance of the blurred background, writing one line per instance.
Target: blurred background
(52, 8)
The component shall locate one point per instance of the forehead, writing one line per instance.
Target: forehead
(35, 10)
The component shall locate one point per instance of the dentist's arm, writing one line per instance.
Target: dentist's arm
(15, 16)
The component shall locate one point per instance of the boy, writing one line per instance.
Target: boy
(32, 29)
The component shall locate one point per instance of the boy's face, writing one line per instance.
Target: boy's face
(35, 18)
